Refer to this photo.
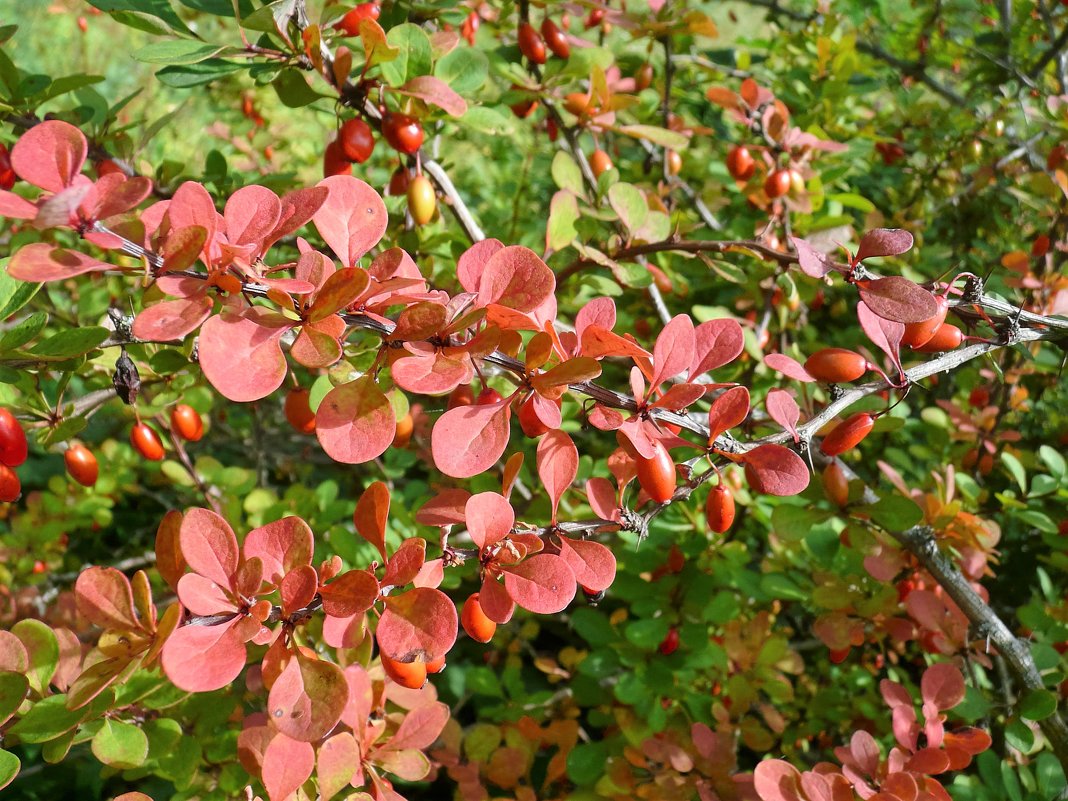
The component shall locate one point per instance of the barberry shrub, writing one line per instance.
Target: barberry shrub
(668, 406)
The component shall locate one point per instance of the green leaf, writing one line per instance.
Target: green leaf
(464, 69)
(153, 16)
(13, 687)
(487, 120)
(1052, 459)
(656, 135)
(1012, 464)
(853, 201)
(1038, 705)
(9, 768)
(43, 648)
(779, 585)
(22, 333)
(177, 51)
(586, 762)
(1019, 735)
(413, 57)
(48, 719)
(629, 204)
(219, 8)
(1051, 779)
(895, 513)
(1038, 519)
(73, 342)
(184, 77)
(293, 89)
(566, 173)
(120, 745)
(646, 634)
(69, 83)
(563, 214)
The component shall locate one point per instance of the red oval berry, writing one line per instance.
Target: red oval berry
(488, 395)
(555, 39)
(656, 475)
(10, 486)
(402, 132)
(81, 465)
(777, 183)
(531, 424)
(847, 434)
(187, 423)
(920, 333)
(947, 337)
(719, 509)
(470, 27)
(398, 182)
(600, 162)
(13, 446)
(643, 78)
(740, 163)
(462, 395)
(670, 643)
(835, 484)
(334, 161)
(475, 622)
(836, 365)
(436, 665)
(7, 173)
(146, 442)
(595, 18)
(407, 674)
(357, 140)
(298, 410)
(530, 43)
(350, 23)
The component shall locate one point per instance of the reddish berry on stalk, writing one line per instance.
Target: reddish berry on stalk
(357, 140)
(979, 397)
(740, 163)
(670, 643)
(475, 622)
(470, 27)
(847, 434)
(422, 203)
(335, 162)
(13, 446)
(462, 395)
(10, 486)
(920, 333)
(298, 410)
(777, 183)
(836, 365)
(7, 173)
(838, 656)
(350, 23)
(947, 337)
(39, 567)
(436, 665)
(600, 162)
(555, 39)
(835, 484)
(674, 162)
(719, 509)
(656, 475)
(488, 395)
(595, 18)
(398, 182)
(531, 424)
(186, 422)
(146, 442)
(643, 79)
(407, 674)
(405, 426)
(530, 43)
(403, 133)
(81, 464)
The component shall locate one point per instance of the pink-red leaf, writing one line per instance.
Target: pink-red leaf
(337, 292)
(593, 564)
(105, 598)
(201, 659)
(884, 242)
(209, 545)
(50, 154)
(334, 764)
(355, 422)
(41, 261)
(543, 583)
(251, 213)
(784, 410)
(776, 470)
(297, 588)
(788, 367)
(372, 511)
(202, 596)
(419, 623)
(517, 278)
(281, 545)
(307, 699)
(557, 461)
(241, 354)
(674, 349)
(489, 518)
(716, 343)
(943, 686)
(472, 263)
(353, 218)
(727, 411)
(777, 780)
(420, 727)
(898, 299)
(287, 764)
(436, 92)
(172, 320)
(405, 563)
(468, 440)
(811, 261)
(351, 593)
(886, 334)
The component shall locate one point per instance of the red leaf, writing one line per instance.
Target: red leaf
(115, 194)
(898, 299)
(251, 213)
(886, 334)
(776, 780)
(468, 440)
(319, 344)
(351, 593)
(334, 764)
(41, 261)
(931, 761)
(298, 588)
(418, 623)
(543, 584)
(353, 218)
(435, 92)
(50, 154)
(281, 546)
(558, 460)
(716, 343)
(202, 596)
(472, 263)
(602, 498)
(297, 207)
(405, 563)
(192, 205)
(517, 278)
(209, 545)
(420, 727)
(727, 411)
(943, 686)
(811, 261)
(489, 518)
(240, 354)
(337, 292)
(307, 699)
(358, 708)
(372, 511)
(200, 659)
(287, 764)
(433, 374)
(16, 207)
(788, 367)
(884, 242)
(444, 509)
(598, 342)
(674, 349)
(968, 739)
(679, 396)
(172, 320)
(600, 312)
(169, 560)
(783, 410)
(355, 422)
(495, 600)
(776, 470)
(105, 598)
(593, 564)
